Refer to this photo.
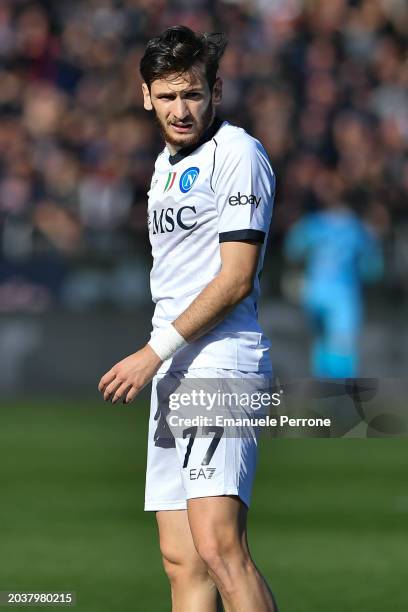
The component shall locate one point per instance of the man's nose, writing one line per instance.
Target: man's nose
(180, 109)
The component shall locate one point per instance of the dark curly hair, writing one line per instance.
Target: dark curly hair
(178, 49)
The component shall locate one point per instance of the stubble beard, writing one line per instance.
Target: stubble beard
(191, 139)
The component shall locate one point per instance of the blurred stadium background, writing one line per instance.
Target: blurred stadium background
(324, 86)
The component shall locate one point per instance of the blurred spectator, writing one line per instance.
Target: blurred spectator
(320, 83)
(340, 253)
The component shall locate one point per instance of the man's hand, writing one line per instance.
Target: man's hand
(128, 377)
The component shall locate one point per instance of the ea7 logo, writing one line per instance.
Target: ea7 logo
(241, 199)
(206, 473)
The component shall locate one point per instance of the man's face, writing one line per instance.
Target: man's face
(184, 106)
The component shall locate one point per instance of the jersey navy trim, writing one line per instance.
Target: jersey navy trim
(245, 234)
(212, 172)
(208, 135)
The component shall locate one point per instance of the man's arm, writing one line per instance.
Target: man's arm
(234, 282)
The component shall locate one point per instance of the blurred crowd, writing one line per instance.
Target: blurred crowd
(322, 84)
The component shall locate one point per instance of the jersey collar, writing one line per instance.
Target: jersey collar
(208, 134)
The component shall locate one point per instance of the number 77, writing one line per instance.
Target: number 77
(192, 432)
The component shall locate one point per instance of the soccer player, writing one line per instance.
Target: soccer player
(209, 210)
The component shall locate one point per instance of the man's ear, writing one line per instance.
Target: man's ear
(147, 102)
(217, 91)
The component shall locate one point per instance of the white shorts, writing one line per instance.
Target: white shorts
(189, 462)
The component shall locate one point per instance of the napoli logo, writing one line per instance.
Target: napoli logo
(187, 179)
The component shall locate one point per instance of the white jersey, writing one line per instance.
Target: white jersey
(220, 190)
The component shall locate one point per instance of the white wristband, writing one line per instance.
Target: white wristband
(167, 342)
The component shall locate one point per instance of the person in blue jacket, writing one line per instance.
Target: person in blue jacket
(340, 253)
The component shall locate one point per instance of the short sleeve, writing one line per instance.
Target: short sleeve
(244, 188)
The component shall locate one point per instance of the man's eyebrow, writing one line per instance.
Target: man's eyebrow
(161, 94)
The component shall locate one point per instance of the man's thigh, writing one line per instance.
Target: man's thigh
(218, 522)
(183, 533)
(185, 568)
(176, 542)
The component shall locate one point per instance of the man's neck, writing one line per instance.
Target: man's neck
(173, 149)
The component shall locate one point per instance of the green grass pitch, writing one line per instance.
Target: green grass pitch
(328, 526)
